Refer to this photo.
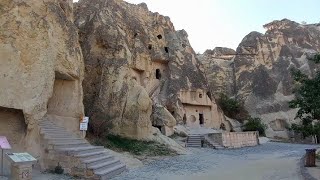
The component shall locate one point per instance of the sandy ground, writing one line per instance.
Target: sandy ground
(276, 161)
(265, 168)
(269, 161)
(314, 171)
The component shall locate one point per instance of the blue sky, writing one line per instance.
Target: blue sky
(212, 23)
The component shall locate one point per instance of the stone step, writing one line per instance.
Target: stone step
(188, 145)
(193, 145)
(94, 156)
(56, 134)
(95, 160)
(45, 122)
(43, 131)
(88, 150)
(66, 142)
(106, 174)
(85, 144)
(192, 140)
(51, 127)
(49, 137)
(88, 154)
(79, 150)
(104, 165)
(62, 138)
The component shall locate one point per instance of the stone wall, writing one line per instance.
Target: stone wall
(235, 139)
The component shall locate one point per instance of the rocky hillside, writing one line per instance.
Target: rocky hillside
(219, 69)
(262, 67)
(137, 68)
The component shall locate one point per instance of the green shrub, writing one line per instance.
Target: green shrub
(255, 124)
(136, 147)
(58, 170)
(232, 108)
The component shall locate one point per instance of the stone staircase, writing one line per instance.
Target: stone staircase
(194, 140)
(76, 155)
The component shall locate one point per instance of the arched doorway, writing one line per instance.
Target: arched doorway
(201, 119)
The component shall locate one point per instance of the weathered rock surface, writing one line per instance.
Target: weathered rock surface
(134, 60)
(41, 69)
(262, 69)
(219, 69)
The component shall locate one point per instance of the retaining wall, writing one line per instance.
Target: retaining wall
(235, 139)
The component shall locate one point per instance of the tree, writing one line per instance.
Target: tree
(308, 101)
(232, 108)
(255, 124)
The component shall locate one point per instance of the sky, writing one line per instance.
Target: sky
(224, 23)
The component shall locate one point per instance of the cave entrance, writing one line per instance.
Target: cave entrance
(65, 101)
(201, 118)
(158, 74)
(160, 128)
(13, 126)
(184, 119)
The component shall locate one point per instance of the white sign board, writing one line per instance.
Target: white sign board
(21, 157)
(83, 126)
(85, 119)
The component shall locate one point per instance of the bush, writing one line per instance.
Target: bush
(232, 108)
(136, 147)
(255, 124)
(58, 170)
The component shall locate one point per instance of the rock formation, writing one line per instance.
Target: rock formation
(262, 71)
(137, 67)
(41, 70)
(219, 69)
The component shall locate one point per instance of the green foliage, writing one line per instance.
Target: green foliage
(315, 58)
(255, 124)
(308, 101)
(232, 108)
(307, 129)
(136, 147)
(307, 96)
(318, 156)
(58, 170)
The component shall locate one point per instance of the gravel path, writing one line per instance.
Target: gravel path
(268, 161)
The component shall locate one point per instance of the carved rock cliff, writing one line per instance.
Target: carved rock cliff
(140, 72)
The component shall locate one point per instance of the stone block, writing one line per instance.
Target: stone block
(21, 172)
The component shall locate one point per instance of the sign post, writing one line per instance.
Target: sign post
(4, 144)
(84, 125)
(21, 165)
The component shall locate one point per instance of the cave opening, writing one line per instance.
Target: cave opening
(159, 36)
(158, 74)
(184, 119)
(201, 119)
(166, 49)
